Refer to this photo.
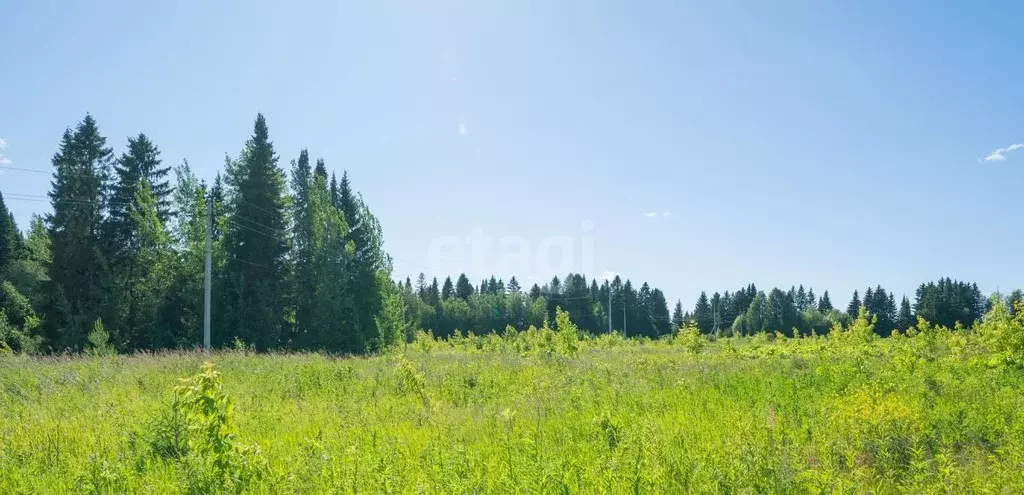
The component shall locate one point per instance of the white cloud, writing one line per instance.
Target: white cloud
(608, 275)
(3, 143)
(463, 130)
(4, 160)
(666, 213)
(1000, 154)
(651, 214)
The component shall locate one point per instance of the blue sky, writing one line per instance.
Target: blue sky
(838, 146)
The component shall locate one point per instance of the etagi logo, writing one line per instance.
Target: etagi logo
(481, 255)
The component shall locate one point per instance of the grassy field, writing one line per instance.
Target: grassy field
(537, 411)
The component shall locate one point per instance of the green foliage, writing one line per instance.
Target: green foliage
(689, 337)
(98, 341)
(390, 323)
(568, 333)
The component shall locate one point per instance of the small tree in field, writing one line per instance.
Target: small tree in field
(568, 333)
(98, 341)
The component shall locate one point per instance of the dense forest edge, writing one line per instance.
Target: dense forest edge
(299, 264)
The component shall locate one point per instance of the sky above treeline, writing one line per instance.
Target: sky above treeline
(693, 145)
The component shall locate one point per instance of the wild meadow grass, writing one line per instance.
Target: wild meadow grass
(934, 411)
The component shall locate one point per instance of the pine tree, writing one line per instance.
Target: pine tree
(853, 309)
(513, 285)
(433, 293)
(825, 303)
(78, 285)
(371, 267)
(702, 314)
(448, 290)
(334, 191)
(305, 333)
(677, 314)
(321, 169)
(421, 286)
(811, 301)
(645, 310)
(11, 242)
(716, 313)
(660, 315)
(801, 298)
(535, 292)
(905, 318)
(463, 289)
(140, 163)
(256, 244)
(632, 323)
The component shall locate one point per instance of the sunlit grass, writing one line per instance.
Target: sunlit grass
(527, 413)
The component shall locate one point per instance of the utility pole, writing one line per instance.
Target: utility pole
(208, 273)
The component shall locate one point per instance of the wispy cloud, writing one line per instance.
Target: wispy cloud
(608, 275)
(3, 159)
(651, 214)
(666, 213)
(463, 130)
(1000, 154)
(654, 214)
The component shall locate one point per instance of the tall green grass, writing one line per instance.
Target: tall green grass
(932, 411)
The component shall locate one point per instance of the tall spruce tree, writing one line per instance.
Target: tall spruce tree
(305, 279)
(370, 267)
(256, 244)
(79, 281)
(448, 290)
(905, 318)
(702, 314)
(677, 314)
(825, 303)
(141, 162)
(463, 289)
(853, 309)
(660, 315)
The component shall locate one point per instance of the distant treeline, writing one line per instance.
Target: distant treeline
(493, 304)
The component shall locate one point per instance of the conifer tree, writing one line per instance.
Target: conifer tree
(463, 289)
(11, 242)
(825, 303)
(256, 244)
(140, 163)
(370, 266)
(905, 318)
(448, 290)
(78, 288)
(703, 315)
(677, 314)
(853, 309)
